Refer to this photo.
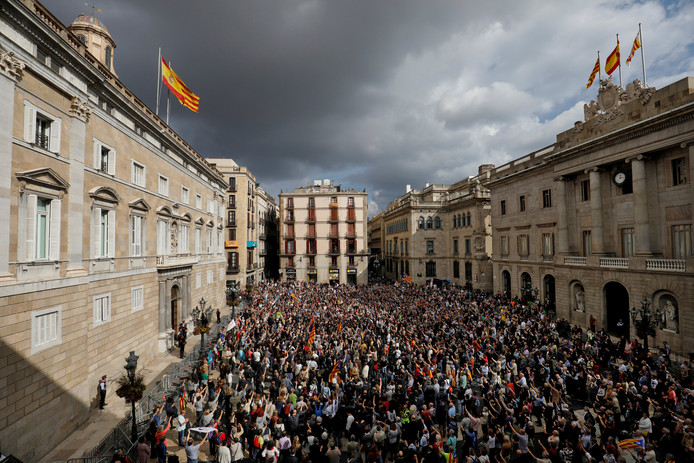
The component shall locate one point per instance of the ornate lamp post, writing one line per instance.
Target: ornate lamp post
(646, 322)
(135, 392)
(201, 318)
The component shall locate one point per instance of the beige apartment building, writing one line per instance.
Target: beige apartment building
(268, 240)
(112, 226)
(323, 235)
(441, 232)
(602, 219)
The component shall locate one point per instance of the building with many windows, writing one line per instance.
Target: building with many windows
(602, 219)
(323, 234)
(268, 239)
(112, 226)
(441, 232)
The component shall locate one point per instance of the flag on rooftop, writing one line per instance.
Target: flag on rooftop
(187, 98)
(612, 62)
(634, 47)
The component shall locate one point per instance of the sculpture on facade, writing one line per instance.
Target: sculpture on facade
(580, 299)
(670, 319)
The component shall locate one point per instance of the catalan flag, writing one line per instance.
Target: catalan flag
(311, 332)
(612, 62)
(335, 373)
(178, 88)
(636, 443)
(407, 278)
(596, 69)
(634, 47)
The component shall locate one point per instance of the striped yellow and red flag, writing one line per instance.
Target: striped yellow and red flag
(636, 443)
(334, 374)
(612, 62)
(178, 88)
(311, 332)
(634, 47)
(596, 69)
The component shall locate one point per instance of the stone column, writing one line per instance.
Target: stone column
(597, 234)
(162, 336)
(11, 71)
(79, 112)
(563, 225)
(642, 244)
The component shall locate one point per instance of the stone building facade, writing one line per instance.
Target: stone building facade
(111, 231)
(323, 235)
(602, 219)
(441, 232)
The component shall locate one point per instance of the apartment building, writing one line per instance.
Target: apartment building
(323, 234)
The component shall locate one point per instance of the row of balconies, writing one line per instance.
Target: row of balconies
(312, 252)
(620, 263)
(351, 218)
(331, 235)
(236, 269)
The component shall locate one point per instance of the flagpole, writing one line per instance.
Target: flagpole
(619, 62)
(158, 81)
(168, 98)
(599, 70)
(643, 59)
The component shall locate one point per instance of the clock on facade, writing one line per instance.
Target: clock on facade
(619, 178)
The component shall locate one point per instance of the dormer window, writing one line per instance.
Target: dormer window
(107, 57)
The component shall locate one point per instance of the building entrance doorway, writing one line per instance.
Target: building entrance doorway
(174, 307)
(616, 299)
(506, 281)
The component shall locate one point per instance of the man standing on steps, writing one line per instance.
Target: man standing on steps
(181, 343)
(102, 393)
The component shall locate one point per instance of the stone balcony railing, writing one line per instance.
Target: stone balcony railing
(668, 265)
(572, 260)
(628, 263)
(614, 262)
(169, 261)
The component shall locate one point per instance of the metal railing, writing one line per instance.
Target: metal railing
(119, 437)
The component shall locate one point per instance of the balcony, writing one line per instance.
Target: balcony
(231, 223)
(351, 234)
(232, 188)
(289, 252)
(231, 206)
(175, 261)
(572, 260)
(311, 219)
(310, 236)
(333, 235)
(547, 258)
(614, 262)
(262, 236)
(289, 219)
(311, 252)
(334, 251)
(233, 270)
(351, 250)
(666, 265)
(333, 219)
(289, 236)
(351, 218)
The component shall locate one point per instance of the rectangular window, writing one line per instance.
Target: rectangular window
(504, 246)
(546, 198)
(184, 239)
(44, 227)
(231, 219)
(290, 202)
(102, 309)
(163, 185)
(468, 248)
(502, 206)
(232, 183)
(350, 201)
(198, 240)
(198, 201)
(585, 190)
(407, 248)
(210, 277)
(679, 171)
(137, 173)
(431, 269)
(681, 241)
(333, 200)
(430, 246)
(232, 201)
(208, 235)
(547, 244)
(627, 242)
(311, 202)
(333, 261)
(521, 203)
(232, 234)
(456, 269)
(46, 329)
(198, 280)
(233, 261)
(350, 261)
(523, 249)
(185, 195)
(41, 128)
(104, 232)
(104, 158)
(210, 206)
(137, 230)
(137, 298)
(586, 243)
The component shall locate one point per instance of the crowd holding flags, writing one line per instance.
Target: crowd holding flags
(613, 61)
(311, 333)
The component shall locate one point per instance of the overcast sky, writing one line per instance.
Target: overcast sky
(377, 94)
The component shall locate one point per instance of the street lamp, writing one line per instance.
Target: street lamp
(130, 367)
(647, 321)
(201, 318)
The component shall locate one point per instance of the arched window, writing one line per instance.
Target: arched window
(420, 223)
(107, 58)
(437, 223)
(430, 223)
(469, 221)
(464, 222)
(82, 39)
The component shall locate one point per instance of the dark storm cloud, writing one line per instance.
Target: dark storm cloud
(373, 94)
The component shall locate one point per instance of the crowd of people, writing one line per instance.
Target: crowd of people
(404, 373)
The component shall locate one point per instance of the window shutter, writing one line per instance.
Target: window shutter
(111, 245)
(112, 162)
(54, 143)
(96, 232)
(31, 227)
(54, 244)
(97, 153)
(29, 123)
